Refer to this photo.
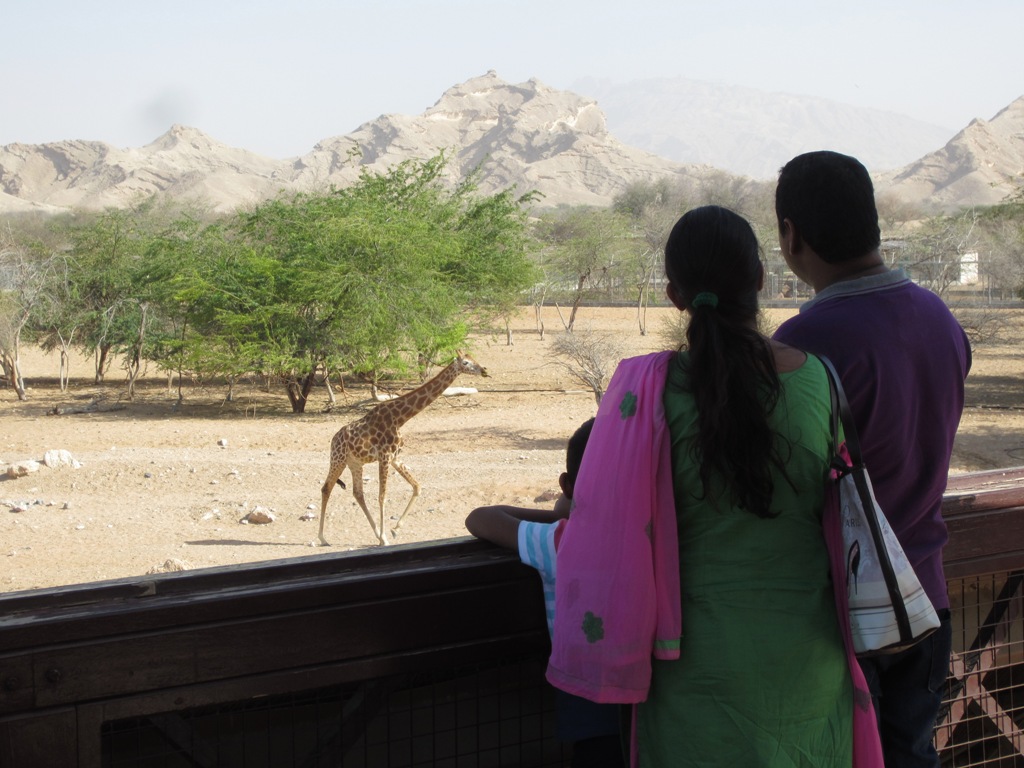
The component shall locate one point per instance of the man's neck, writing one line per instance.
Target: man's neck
(868, 264)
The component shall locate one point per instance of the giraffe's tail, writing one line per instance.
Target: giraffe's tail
(342, 484)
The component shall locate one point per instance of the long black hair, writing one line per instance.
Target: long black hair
(713, 265)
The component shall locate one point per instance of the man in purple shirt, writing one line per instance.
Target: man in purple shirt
(902, 359)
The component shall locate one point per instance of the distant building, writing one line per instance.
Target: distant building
(969, 269)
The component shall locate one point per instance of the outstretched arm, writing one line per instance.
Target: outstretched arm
(500, 524)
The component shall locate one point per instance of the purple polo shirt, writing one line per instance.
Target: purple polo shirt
(902, 358)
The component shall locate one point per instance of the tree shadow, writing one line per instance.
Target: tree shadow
(238, 543)
(500, 438)
(991, 390)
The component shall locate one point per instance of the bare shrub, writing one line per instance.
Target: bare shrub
(983, 325)
(589, 357)
(672, 330)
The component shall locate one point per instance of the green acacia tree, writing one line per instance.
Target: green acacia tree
(105, 249)
(375, 277)
(186, 279)
(651, 209)
(586, 247)
(59, 316)
(1001, 235)
(27, 267)
(34, 296)
(495, 269)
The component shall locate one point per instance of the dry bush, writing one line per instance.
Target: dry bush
(672, 332)
(589, 357)
(983, 325)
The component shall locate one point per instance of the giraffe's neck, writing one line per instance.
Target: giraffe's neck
(403, 408)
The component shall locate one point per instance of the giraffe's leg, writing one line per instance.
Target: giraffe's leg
(382, 475)
(357, 491)
(403, 470)
(333, 476)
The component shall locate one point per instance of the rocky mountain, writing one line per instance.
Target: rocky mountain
(751, 132)
(183, 162)
(981, 165)
(527, 136)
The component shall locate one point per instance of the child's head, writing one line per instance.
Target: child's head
(574, 457)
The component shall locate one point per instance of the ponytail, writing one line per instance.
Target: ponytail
(713, 263)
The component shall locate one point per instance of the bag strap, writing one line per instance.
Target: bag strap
(841, 412)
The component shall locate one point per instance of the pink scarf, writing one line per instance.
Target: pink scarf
(617, 600)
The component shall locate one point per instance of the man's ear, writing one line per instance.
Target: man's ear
(789, 238)
(674, 297)
(565, 484)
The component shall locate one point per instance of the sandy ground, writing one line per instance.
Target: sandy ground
(159, 482)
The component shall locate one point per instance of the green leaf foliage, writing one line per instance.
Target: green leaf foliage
(373, 279)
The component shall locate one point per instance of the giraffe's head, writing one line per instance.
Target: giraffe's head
(466, 364)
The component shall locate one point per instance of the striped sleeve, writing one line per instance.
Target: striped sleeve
(537, 549)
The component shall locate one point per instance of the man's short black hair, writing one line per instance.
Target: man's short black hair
(830, 199)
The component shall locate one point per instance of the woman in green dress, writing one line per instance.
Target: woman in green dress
(762, 678)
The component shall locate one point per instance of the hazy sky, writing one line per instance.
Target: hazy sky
(276, 77)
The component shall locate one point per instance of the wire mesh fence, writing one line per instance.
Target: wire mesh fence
(479, 717)
(983, 708)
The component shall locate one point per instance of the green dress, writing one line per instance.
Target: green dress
(762, 678)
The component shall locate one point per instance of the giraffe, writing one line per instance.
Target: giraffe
(375, 438)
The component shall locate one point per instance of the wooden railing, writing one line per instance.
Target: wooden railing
(418, 654)
(980, 723)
